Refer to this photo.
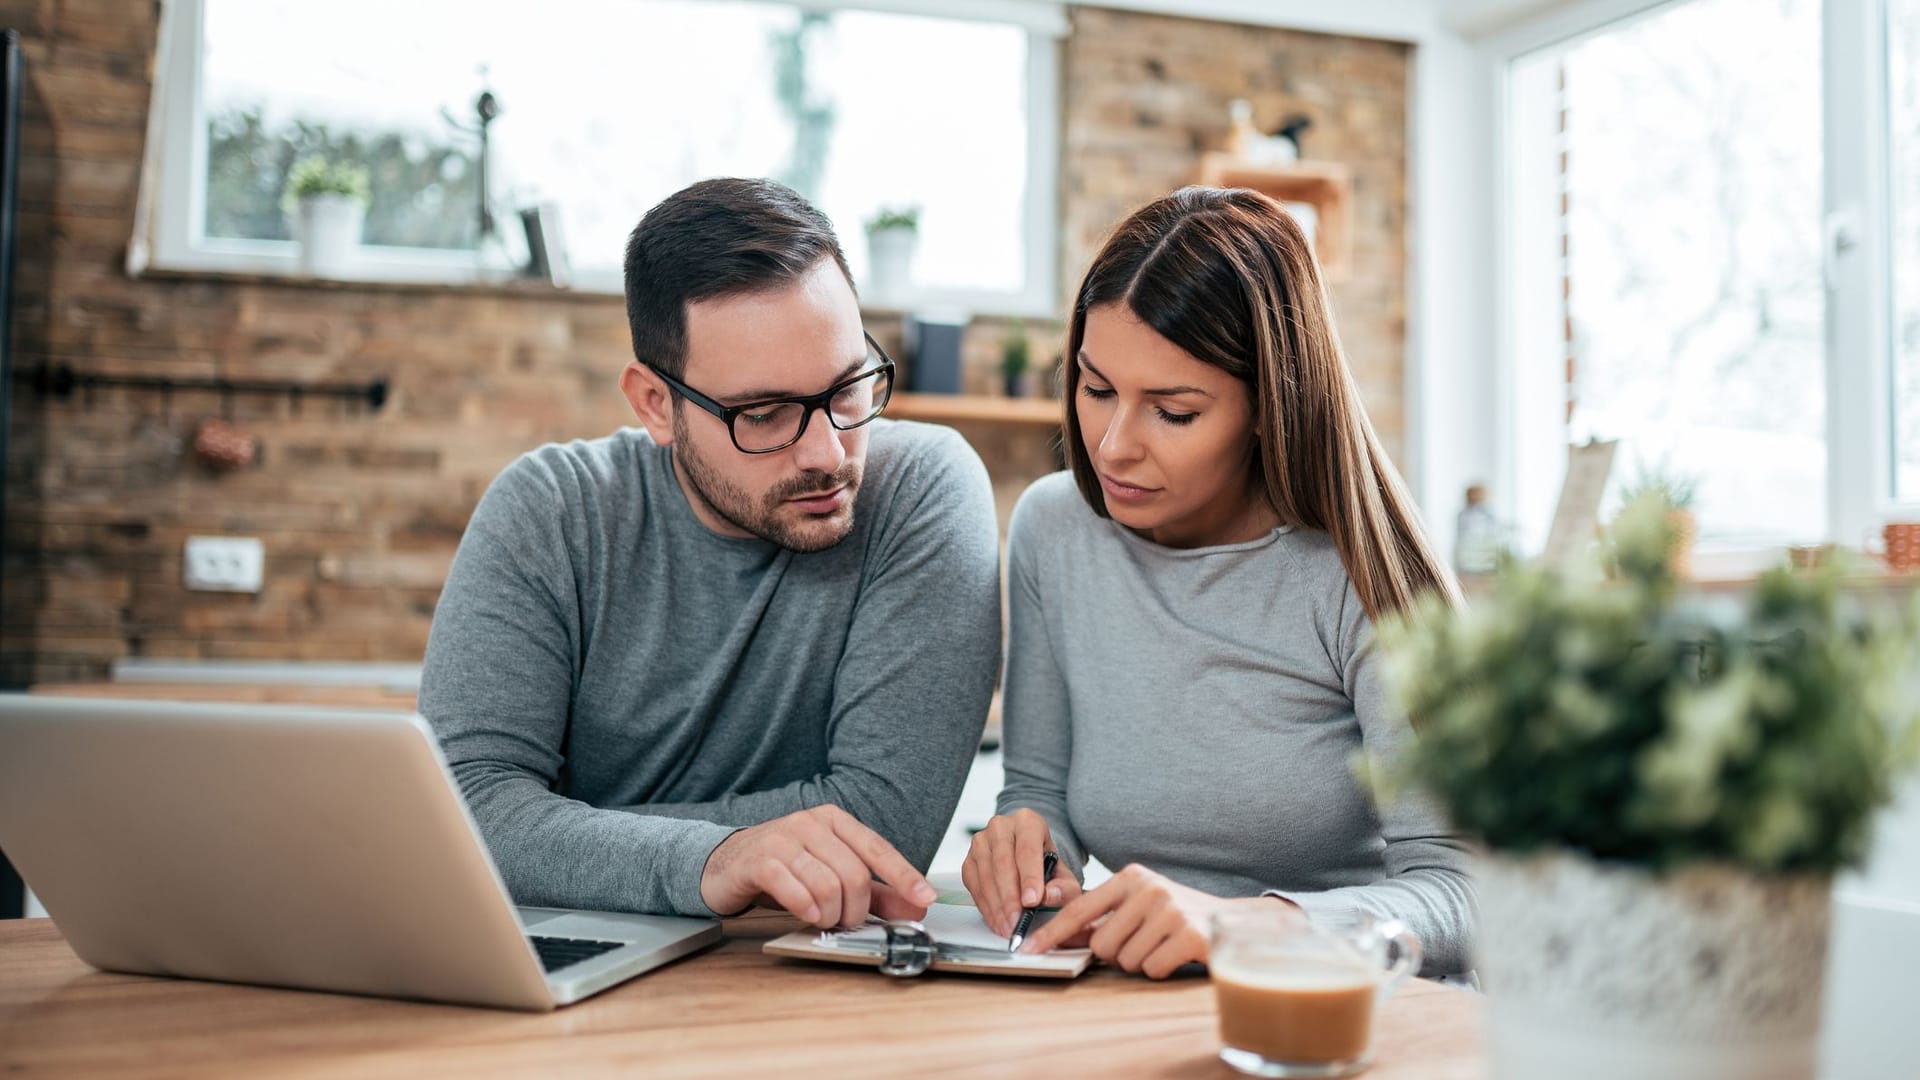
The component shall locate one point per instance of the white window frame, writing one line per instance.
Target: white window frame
(170, 229)
(1529, 454)
(1858, 250)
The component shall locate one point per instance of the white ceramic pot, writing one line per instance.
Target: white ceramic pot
(1597, 970)
(328, 228)
(890, 262)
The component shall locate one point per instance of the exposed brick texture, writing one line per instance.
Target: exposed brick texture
(360, 511)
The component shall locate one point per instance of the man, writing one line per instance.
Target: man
(746, 654)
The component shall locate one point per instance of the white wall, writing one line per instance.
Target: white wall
(1869, 1031)
(1451, 420)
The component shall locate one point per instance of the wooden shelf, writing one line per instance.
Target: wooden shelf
(976, 409)
(1327, 186)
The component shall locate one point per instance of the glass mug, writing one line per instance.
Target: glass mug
(1297, 998)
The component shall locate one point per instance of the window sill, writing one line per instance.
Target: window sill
(515, 287)
(1870, 577)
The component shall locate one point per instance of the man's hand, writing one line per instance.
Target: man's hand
(820, 866)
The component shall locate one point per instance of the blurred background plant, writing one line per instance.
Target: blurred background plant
(1629, 721)
(317, 175)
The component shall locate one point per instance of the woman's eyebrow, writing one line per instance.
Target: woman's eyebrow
(1165, 391)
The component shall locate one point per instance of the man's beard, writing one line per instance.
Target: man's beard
(770, 518)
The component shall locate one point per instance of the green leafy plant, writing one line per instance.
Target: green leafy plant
(317, 176)
(895, 217)
(1626, 720)
(1677, 488)
(1016, 353)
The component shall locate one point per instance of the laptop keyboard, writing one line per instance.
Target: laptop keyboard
(559, 952)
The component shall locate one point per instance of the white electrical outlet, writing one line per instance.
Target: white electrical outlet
(224, 563)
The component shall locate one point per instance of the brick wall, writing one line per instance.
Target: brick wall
(1145, 95)
(360, 511)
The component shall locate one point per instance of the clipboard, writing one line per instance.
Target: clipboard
(905, 949)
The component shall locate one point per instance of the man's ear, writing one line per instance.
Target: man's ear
(651, 400)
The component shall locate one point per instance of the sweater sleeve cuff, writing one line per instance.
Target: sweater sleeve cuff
(1318, 906)
(687, 861)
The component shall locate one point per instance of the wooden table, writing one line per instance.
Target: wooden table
(728, 1012)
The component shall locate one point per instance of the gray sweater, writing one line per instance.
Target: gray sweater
(618, 688)
(1198, 711)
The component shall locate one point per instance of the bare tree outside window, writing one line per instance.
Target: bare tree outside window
(812, 114)
(424, 190)
(1693, 177)
(609, 106)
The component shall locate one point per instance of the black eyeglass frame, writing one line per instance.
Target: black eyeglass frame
(808, 404)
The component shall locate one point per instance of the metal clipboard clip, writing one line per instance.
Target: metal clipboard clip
(910, 949)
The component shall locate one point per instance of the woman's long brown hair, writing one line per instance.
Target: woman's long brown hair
(1229, 277)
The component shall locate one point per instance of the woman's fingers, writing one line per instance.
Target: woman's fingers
(1180, 948)
(1030, 857)
(1112, 935)
(1063, 889)
(1153, 931)
(978, 873)
(1076, 917)
(1006, 882)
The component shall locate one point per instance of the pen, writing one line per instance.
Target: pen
(1026, 917)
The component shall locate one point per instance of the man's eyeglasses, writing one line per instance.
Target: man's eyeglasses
(762, 427)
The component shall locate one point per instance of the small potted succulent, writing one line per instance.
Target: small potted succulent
(328, 200)
(1677, 490)
(892, 235)
(1664, 791)
(1016, 355)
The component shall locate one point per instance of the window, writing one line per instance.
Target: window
(1684, 315)
(1691, 255)
(607, 106)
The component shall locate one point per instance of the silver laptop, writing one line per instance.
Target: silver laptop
(321, 849)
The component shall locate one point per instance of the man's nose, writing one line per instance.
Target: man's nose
(819, 448)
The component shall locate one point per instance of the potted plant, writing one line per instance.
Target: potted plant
(1664, 793)
(1015, 358)
(892, 235)
(329, 204)
(1677, 490)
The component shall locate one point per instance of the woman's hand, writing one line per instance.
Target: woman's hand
(1141, 922)
(1002, 871)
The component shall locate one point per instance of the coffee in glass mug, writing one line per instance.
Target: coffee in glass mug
(1297, 999)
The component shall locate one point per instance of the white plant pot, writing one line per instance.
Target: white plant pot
(328, 228)
(1597, 970)
(890, 263)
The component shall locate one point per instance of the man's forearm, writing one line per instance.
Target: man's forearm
(556, 852)
(904, 818)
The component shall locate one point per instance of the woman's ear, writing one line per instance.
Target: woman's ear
(650, 399)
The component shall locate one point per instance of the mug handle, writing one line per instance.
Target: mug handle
(1406, 944)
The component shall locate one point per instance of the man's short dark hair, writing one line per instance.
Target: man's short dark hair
(716, 238)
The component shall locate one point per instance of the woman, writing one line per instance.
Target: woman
(1190, 674)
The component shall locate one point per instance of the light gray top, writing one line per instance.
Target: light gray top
(618, 688)
(1198, 711)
